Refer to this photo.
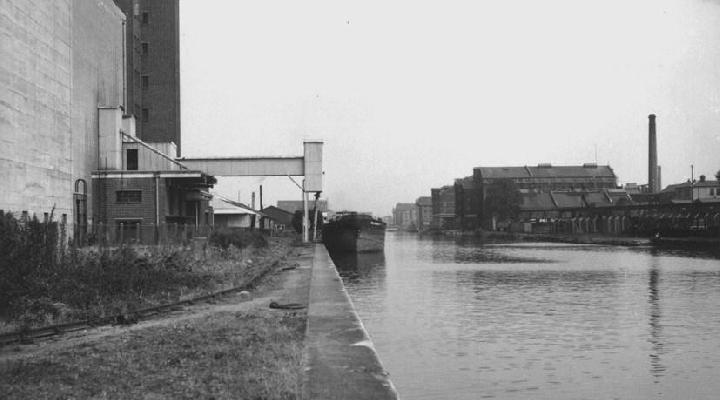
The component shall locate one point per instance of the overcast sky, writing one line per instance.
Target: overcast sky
(409, 95)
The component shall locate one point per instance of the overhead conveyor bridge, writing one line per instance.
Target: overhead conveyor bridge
(309, 166)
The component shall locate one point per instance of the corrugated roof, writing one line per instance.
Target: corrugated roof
(562, 171)
(537, 201)
(568, 199)
(597, 199)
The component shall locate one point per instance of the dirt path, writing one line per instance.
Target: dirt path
(236, 347)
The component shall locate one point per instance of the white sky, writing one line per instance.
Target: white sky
(409, 95)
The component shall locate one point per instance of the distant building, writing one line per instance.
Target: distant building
(703, 190)
(233, 214)
(292, 206)
(281, 219)
(467, 203)
(443, 208)
(424, 212)
(538, 205)
(546, 177)
(543, 178)
(153, 68)
(405, 216)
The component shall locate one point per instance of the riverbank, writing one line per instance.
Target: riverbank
(232, 347)
(243, 345)
(587, 238)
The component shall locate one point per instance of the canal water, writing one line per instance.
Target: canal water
(469, 320)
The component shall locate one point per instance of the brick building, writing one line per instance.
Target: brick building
(139, 190)
(443, 208)
(467, 203)
(293, 206)
(543, 178)
(702, 190)
(153, 68)
(405, 216)
(424, 212)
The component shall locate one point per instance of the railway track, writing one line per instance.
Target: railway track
(32, 335)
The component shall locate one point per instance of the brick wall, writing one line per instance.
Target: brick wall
(108, 209)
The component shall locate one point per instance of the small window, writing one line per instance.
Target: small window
(132, 159)
(144, 47)
(128, 196)
(145, 115)
(145, 17)
(145, 81)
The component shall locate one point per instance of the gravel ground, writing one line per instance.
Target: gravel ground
(237, 348)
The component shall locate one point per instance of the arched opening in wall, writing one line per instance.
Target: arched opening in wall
(80, 203)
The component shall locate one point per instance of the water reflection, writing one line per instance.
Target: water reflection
(462, 320)
(656, 367)
(365, 267)
(470, 253)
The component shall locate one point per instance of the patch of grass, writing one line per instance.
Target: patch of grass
(43, 285)
(224, 238)
(253, 355)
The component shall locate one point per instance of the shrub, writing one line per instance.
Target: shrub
(28, 257)
(224, 237)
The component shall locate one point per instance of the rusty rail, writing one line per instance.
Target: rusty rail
(28, 335)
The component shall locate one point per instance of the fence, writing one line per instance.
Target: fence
(138, 233)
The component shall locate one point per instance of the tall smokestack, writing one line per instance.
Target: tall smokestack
(652, 156)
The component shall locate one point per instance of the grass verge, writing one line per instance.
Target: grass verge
(83, 285)
(255, 354)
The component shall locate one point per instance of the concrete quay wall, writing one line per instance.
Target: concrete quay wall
(341, 362)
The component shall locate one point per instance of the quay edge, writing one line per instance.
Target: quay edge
(340, 360)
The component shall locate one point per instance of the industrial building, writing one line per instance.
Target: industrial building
(424, 212)
(69, 141)
(443, 208)
(61, 62)
(405, 216)
(153, 68)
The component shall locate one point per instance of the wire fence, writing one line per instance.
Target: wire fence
(125, 233)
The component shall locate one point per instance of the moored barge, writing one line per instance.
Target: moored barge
(350, 232)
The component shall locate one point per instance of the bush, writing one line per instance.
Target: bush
(37, 278)
(224, 237)
(28, 259)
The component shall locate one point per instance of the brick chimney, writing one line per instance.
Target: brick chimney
(653, 184)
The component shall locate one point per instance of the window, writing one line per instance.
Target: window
(144, 47)
(128, 196)
(145, 17)
(132, 159)
(145, 81)
(145, 115)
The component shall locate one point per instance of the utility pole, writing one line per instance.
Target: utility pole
(317, 196)
(306, 219)
(692, 182)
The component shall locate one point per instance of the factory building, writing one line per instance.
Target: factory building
(67, 130)
(60, 61)
(153, 68)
